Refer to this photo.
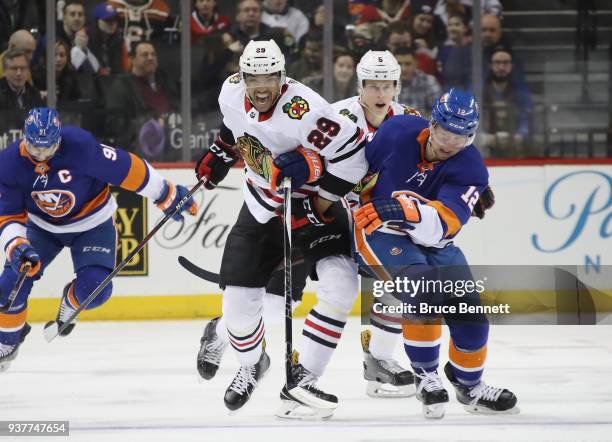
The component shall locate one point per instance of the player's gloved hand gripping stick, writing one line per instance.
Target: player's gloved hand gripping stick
(52, 329)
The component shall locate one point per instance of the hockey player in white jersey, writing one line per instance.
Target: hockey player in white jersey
(282, 129)
(378, 76)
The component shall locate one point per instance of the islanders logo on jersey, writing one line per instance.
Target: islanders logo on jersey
(296, 108)
(256, 156)
(55, 203)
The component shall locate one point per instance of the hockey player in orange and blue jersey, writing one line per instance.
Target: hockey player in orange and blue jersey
(427, 178)
(54, 193)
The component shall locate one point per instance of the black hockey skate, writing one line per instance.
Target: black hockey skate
(8, 353)
(432, 394)
(386, 378)
(302, 399)
(483, 398)
(65, 311)
(241, 388)
(211, 351)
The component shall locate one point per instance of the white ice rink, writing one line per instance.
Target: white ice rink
(136, 381)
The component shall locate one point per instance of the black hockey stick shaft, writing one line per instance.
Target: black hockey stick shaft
(288, 281)
(134, 252)
(198, 271)
(20, 280)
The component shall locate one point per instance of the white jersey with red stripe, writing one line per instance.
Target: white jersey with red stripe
(300, 117)
(69, 192)
(352, 109)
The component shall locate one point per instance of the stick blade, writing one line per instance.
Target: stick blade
(51, 331)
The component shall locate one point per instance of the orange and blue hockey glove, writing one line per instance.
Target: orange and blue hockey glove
(398, 212)
(302, 165)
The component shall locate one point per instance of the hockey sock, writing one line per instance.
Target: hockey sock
(468, 366)
(320, 335)
(242, 312)
(386, 332)
(10, 327)
(87, 280)
(221, 330)
(422, 344)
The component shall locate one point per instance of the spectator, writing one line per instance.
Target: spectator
(15, 91)
(218, 61)
(277, 14)
(143, 20)
(345, 80)
(310, 63)
(457, 30)
(20, 40)
(67, 83)
(106, 42)
(398, 36)
(248, 23)
(205, 20)
(419, 90)
(507, 108)
(364, 37)
(390, 11)
(73, 20)
(444, 9)
(139, 102)
(422, 30)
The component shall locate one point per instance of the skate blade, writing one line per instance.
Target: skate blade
(377, 389)
(477, 409)
(307, 399)
(434, 411)
(294, 410)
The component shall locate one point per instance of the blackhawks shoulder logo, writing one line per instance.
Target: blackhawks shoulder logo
(411, 111)
(348, 114)
(234, 79)
(296, 108)
(255, 155)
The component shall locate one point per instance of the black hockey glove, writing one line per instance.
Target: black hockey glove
(484, 203)
(215, 163)
(304, 213)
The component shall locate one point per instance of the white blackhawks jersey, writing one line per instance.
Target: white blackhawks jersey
(300, 117)
(353, 110)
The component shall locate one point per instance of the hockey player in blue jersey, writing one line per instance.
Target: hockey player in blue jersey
(428, 177)
(54, 193)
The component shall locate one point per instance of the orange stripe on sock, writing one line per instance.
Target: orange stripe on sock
(472, 359)
(419, 331)
(136, 175)
(71, 298)
(12, 320)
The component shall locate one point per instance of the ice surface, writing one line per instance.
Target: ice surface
(136, 381)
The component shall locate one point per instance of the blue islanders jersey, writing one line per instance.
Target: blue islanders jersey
(69, 192)
(445, 191)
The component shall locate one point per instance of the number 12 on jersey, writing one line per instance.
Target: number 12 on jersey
(471, 197)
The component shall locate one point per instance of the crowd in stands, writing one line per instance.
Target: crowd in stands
(117, 63)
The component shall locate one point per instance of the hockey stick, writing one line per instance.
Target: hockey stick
(20, 279)
(288, 282)
(52, 329)
(198, 271)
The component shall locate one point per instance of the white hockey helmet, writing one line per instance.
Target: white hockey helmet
(378, 65)
(262, 57)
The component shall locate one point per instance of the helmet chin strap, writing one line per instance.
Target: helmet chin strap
(381, 116)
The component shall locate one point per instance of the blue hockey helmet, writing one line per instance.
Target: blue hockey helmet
(42, 127)
(457, 112)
